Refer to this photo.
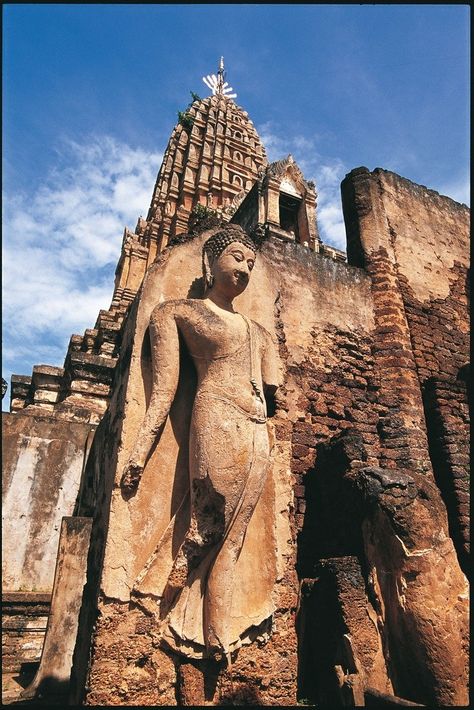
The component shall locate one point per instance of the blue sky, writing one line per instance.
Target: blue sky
(90, 98)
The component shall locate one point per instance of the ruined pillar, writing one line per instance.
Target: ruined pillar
(413, 564)
(54, 672)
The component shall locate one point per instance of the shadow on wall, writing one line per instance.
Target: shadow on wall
(332, 531)
(333, 517)
(51, 691)
(447, 429)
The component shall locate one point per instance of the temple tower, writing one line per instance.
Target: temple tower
(212, 159)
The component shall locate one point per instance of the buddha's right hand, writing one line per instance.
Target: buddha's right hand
(131, 477)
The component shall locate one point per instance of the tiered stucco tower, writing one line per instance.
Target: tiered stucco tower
(212, 159)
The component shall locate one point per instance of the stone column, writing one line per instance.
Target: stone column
(401, 425)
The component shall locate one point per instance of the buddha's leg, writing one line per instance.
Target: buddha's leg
(221, 444)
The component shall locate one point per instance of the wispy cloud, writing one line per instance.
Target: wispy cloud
(61, 245)
(326, 172)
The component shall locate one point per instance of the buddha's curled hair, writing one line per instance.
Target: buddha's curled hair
(216, 244)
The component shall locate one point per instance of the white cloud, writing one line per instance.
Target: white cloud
(332, 225)
(61, 245)
(327, 173)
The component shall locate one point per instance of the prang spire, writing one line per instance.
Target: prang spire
(217, 84)
(220, 77)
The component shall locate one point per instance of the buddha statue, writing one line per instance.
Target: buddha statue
(229, 448)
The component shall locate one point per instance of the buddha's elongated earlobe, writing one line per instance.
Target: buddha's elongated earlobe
(208, 277)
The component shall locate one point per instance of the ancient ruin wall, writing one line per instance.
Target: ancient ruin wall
(425, 614)
(24, 622)
(422, 261)
(355, 446)
(359, 514)
(43, 460)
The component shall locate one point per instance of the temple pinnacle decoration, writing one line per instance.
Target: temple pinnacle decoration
(218, 84)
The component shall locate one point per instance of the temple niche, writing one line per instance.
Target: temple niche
(266, 439)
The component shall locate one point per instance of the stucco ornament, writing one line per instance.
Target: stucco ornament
(229, 458)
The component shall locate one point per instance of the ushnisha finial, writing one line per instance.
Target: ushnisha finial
(217, 84)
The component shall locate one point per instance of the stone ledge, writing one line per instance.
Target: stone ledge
(50, 370)
(26, 597)
(21, 379)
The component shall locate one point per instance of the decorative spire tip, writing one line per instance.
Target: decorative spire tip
(217, 84)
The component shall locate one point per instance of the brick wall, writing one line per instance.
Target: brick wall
(25, 616)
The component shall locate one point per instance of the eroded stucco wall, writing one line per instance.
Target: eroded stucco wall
(43, 460)
(353, 487)
(403, 234)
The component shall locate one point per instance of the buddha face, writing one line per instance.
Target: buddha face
(232, 268)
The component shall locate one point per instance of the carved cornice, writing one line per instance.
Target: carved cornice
(287, 166)
(280, 166)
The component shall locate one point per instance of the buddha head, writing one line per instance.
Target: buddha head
(228, 258)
